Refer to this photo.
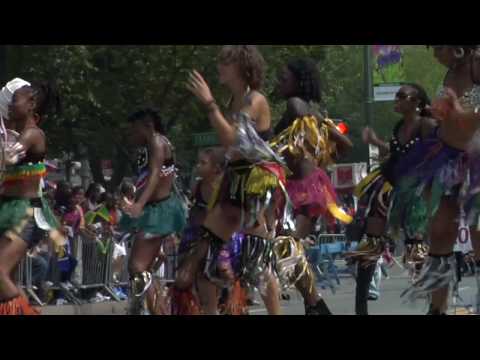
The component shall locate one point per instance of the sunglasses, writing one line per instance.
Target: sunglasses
(402, 96)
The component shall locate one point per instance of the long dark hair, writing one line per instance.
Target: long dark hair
(46, 98)
(308, 79)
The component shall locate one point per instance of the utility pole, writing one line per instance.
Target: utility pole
(368, 81)
(369, 94)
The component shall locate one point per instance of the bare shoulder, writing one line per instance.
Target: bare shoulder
(428, 124)
(297, 107)
(32, 137)
(258, 100)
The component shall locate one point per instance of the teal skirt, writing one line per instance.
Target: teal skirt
(14, 210)
(159, 219)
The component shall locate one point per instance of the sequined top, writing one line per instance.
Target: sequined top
(142, 162)
(397, 152)
(248, 143)
(469, 100)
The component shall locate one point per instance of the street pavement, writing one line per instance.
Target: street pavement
(390, 303)
(340, 303)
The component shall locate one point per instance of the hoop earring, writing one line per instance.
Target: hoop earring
(459, 53)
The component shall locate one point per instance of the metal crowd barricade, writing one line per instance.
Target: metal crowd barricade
(23, 278)
(97, 266)
(328, 247)
(166, 272)
(96, 270)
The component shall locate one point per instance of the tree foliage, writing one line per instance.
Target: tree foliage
(102, 85)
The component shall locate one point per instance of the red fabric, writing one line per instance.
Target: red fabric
(276, 170)
(237, 301)
(184, 303)
(316, 192)
(17, 306)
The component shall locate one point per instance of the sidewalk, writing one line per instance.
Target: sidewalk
(108, 308)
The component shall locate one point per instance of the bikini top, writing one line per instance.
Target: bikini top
(31, 166)
(142, 163)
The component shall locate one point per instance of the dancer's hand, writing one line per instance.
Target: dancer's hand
(134, 211)
(456, 110)
(369, 137)
(199, 87)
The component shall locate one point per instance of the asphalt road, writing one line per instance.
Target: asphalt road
(390, 303)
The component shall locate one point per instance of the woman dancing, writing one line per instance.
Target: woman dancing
(156, 214)
(374, 192)
(308, 185)
(430, 198)
(25, 215)
(251, 184)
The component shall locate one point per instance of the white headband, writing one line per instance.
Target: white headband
(7, 92)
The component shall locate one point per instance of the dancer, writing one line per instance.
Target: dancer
(374, 192)
(309, 142)
(157, 213)
(25, 215)
(211, 163)
(430, 198)
(251, 184)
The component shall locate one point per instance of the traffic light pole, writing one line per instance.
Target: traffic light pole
(368, 83)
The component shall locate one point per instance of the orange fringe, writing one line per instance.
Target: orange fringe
(237, 301)
(17, 306)
(184, 303)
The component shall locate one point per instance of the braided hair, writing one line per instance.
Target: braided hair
(250, 61)
(149, 113)
(308, 79)
(422, 97)
(46, 98)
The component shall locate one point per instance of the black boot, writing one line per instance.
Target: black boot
(319, 309)
(434, 312)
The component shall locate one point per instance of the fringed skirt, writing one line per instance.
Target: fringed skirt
(29, 220)
(432, 168)
(254, 188)
(159, 219)
(317, 194)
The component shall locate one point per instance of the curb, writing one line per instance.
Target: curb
(107, 308)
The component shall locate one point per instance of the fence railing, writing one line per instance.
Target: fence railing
(94, 270)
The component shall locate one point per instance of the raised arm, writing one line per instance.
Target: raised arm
(369, 137)
(226, 132)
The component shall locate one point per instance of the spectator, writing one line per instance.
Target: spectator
(94, 197)
(40, 256)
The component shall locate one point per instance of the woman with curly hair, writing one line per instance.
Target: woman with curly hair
(251, 186)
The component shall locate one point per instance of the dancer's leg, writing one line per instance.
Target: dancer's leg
(306, 286)
(366, 269)
(208, 294)
(143, 255)
(12, 252)
(443, 234)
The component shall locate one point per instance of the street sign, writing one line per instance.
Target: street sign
(206, 139)
(386, 92)
(347, 176)
(388, 72)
